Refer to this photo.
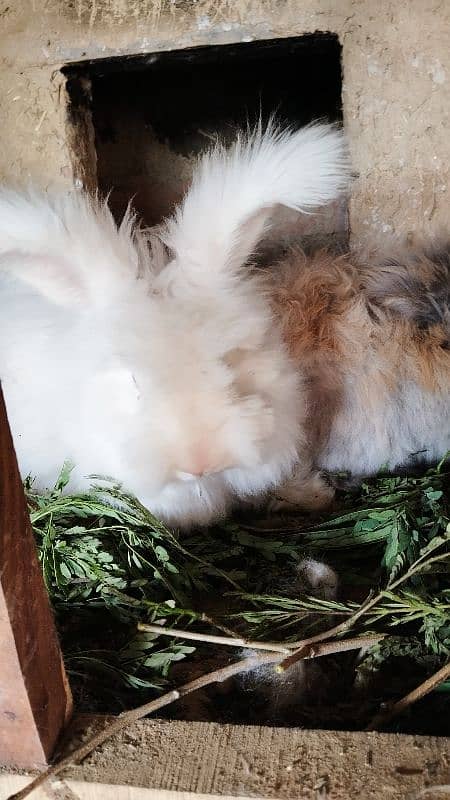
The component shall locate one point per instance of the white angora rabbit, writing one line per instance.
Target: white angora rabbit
(173, 378)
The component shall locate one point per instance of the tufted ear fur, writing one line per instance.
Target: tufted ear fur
(66, 246)
(233, 193)
(53, 278)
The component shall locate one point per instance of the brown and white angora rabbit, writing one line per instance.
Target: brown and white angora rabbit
(198, 382)
(373, 346)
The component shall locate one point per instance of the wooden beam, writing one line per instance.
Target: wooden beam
(35, 699)
(81, 790)
(158, 759)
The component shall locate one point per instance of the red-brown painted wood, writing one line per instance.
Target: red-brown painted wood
(35, 699)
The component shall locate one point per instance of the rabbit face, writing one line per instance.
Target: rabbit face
(193, 391)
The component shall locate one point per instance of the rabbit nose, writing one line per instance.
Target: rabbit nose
(202, 460)
(196, 472)
(183, 475)
(198, 463)
(188, 476)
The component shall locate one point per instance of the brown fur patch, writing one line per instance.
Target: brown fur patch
(342, 320)
(424, 355)
(310, 296)
(307, 295)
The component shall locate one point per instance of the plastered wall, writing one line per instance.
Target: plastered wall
(396, 92)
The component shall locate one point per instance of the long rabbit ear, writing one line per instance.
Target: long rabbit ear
(65, 246)
(234, 191)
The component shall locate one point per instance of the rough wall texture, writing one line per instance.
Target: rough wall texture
(396, 94)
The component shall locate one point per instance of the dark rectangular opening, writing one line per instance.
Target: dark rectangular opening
(153, 114)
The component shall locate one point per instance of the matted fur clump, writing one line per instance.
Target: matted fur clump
(195, 380)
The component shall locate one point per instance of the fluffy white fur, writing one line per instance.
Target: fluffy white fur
(234, 191)
(172, 378)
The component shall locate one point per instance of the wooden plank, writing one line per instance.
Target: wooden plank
(35, 699)
(80, 790)
(202, 759)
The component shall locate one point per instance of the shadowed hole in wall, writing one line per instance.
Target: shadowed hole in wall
(139, 122)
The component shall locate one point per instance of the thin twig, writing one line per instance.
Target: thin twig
(229, 641)
(303, 644)
(219, 625)
(311, 650)
(316, 650)
(128, 717)
(387, 714)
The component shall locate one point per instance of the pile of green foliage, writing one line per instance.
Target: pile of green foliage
(109, 564)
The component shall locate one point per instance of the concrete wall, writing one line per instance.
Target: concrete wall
(396, 93)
